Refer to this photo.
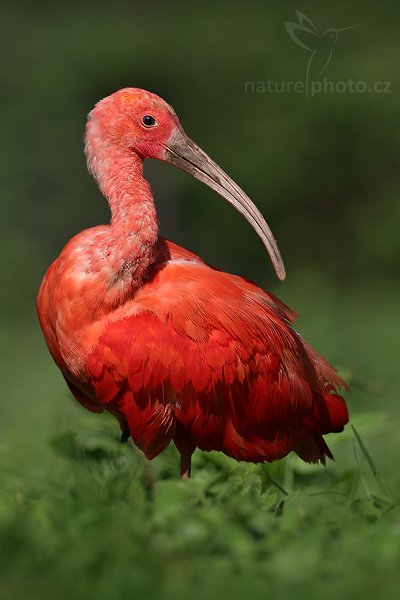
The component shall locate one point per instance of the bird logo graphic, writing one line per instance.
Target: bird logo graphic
(320, 45)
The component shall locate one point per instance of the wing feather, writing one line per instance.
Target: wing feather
(212, 357)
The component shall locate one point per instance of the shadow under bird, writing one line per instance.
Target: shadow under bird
(177, 350)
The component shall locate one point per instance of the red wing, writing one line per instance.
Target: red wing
(212, 357)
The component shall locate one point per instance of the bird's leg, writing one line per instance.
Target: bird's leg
(125, 433)
(185, 447)
(186, 465)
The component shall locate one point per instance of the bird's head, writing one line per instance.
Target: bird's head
(136, 121)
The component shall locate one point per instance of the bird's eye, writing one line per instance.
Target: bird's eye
(148, 121)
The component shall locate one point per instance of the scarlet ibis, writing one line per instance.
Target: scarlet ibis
(175, 349)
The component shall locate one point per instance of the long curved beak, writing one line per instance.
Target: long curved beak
(182, 152)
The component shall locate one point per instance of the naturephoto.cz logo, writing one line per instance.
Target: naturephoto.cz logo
(320, 47)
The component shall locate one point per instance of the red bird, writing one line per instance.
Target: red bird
(175, 349)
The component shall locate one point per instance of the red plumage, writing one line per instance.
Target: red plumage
(176, 350)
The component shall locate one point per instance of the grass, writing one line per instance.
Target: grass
(83, 516)
(101, 522)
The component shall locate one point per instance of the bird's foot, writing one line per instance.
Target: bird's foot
(186, 465)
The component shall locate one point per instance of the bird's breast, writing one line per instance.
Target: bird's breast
(80, 293)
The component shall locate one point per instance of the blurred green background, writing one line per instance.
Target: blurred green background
(77, 517)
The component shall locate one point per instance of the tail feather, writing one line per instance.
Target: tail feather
(338, 413)
(313, 450)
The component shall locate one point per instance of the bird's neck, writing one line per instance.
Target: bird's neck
(133, 230)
